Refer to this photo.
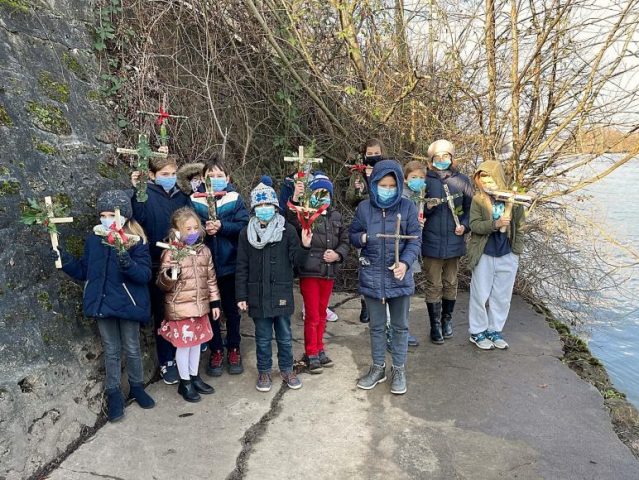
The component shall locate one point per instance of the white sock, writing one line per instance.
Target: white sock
(194, 360)
(182, 360)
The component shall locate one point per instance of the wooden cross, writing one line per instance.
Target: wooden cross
(53, 233)
(162, 120)
(304, 164)
(397, 236)
(211, 199)
(125, 238)
(167, 246)
(451, 205)
(143, 153)
(511, 199)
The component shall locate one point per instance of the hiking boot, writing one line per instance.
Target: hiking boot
(214, 368)
(325, 360)
(290, 378)
(137, 393)
(398, 380)
(169, 373)
(497, 340)
(200, 386)
(115, 404)
(188, 392)
(331, 316)
(234, 360)
(376, 374)
(314, 364)
(363, 315)
(434, 314)
(412, 341)
(264, 382)
(447, 317)
(481, 341)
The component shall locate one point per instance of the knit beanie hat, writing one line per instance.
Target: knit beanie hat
(264, 193)
(112, 199)
(439, 147)
(320, 180)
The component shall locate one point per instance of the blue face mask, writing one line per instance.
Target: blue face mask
(385, 195)
(498, 210)
(167, 183)
(218, 184)
(442, 165)
(191, 238)
(416, 184)
(265, 213)
(107, 222)
(317, 202)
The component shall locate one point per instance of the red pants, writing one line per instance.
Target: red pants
(316, 293)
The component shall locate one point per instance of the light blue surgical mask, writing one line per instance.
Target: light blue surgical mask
(265, 213)
(416, 184)
(386, 195)
(442, 164)
(167, 183)
(107, 222)
(218, 184)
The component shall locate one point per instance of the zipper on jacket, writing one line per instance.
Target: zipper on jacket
(383, 256)
(129, 294)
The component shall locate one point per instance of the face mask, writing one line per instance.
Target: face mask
(498, 210)
(442, 164)
(107, 222)
(218, 184)
(386, 194)
(265, 213)
(416, 184)
(371, 159)
(195, 184)
(316, 202)
(191, 238)
(167, 183)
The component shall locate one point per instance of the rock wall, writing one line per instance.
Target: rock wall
(56, 138)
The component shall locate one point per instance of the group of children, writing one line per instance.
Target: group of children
(236, 259)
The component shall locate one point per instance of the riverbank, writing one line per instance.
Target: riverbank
(467, 414)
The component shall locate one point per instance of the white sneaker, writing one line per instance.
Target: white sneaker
(481, 341)
(497, 340)
(331, 316)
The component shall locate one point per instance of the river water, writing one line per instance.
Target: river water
(612, 331)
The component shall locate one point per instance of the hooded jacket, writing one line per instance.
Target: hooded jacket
(375, 278)
(438, 237)
(481, 217)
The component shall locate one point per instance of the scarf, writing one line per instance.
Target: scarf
(259, 236)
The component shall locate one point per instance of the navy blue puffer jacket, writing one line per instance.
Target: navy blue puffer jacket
(110, 291)
(438, 238)
(375, 279)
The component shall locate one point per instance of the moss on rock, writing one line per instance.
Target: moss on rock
(18, 5)
(74, 244)
(9, 187)
(5, 119)
(74, 66)
(46, 148)
(58, 91)
(44, 301)
(48, 118)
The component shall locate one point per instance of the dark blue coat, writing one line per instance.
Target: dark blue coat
(110, 291)
(375, 279)
(155, 214)
(234, 217)
(438, 238)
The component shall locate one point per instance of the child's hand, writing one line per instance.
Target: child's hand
(307, 236)
(163, 149)
(242, 306)
(135, 178)
(298, 192)
(459, 230)
(502, 222)
(215, 313)
(358, 184)
(212, 227)
(422, 222)
(400, 271)
(331, 256)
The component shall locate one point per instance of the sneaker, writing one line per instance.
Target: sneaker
(376, 374)
(325, 359)
(214, 368)
(234, 360)
(290, 378)
(204, 347)
(398, 380)
(169, 373)
(264, 382)
(412, 341)
(497, 340)
(313, 363)
(331, 316)
(481, 341)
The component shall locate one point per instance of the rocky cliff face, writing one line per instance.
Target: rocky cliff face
(56, 138)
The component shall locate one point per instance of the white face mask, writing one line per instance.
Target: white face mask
(195, 184)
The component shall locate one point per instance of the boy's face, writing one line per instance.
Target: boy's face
(216, 173)
(167, 171)
(415, 174)
(388, 182)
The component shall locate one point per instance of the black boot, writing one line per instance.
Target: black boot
(187, 390)
(200, 386)
(137, 393)
(434, 313)
(115, 404)
(363, 316)
(447, 317)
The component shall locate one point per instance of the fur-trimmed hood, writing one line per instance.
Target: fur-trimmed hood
(185, 173)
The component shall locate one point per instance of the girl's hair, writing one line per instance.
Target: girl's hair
(179, 217)
(413, 165)
(373, 142)
(157, 163)
(134, 228)
(215, 161)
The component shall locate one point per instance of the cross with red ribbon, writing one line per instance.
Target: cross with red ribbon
(115, 236)
(306, 215)
(162, 120)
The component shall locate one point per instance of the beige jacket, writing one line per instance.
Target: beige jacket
(196, 286)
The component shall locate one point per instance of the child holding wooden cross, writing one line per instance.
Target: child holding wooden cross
(117, 296)
(387, 231)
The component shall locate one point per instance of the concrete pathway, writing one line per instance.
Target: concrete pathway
(468, 414)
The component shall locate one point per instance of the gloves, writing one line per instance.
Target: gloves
(124, 259)
(64, 256)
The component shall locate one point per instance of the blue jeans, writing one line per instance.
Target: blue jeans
(117, 335)
(263, 343)
(398, 308)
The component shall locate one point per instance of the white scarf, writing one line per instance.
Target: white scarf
(259, 236)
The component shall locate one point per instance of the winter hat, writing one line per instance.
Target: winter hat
(264, 193)
(439, 147)
(320, 180)
(112, 199)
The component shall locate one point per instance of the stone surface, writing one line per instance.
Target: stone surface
(519, 413)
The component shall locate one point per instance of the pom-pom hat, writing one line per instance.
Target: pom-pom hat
(320, 180)
(264, 193)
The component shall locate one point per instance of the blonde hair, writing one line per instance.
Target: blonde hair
(179, 217)
(413, 165)
(132, 227)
